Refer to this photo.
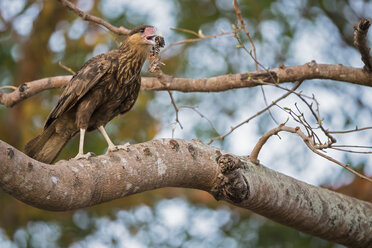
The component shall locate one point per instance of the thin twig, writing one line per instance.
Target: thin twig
(120, 31)
(353, 146)
(175, 107)
(240, 18)
(200, 37)
(261, 142)
(186, 31)
(317, 118)
(266, 103)
(351, 151)
(307, 141)
(201, 115)
(351, 131)
(257, 114)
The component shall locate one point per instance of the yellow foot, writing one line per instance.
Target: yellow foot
(117, 148)
(83, 156)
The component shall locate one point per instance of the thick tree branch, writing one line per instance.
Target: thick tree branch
(179, 163)
(307, 71)
(360, 42)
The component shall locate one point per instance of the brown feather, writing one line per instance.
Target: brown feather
(105, 86)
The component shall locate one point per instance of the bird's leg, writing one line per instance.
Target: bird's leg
(111, 147)
(81, 154)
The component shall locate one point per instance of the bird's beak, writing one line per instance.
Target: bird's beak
(149, 35)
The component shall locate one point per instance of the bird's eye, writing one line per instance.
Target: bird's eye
(142, 30)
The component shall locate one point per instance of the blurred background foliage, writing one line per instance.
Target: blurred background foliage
(36, 35)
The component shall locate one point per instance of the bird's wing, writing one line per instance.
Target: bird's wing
(84, 80)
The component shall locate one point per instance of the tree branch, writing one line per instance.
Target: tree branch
(121, 30)
(241, 20)
(360, 42)
(306, 139)
(283, 74)
(180, 163)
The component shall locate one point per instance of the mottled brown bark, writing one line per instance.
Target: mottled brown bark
(283, 74)
(180, 163)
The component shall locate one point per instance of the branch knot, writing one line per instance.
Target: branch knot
(231, 183)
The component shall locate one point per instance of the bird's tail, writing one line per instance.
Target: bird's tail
(47, 146)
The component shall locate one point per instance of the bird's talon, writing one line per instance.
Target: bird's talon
(84, 156)
(117, 148)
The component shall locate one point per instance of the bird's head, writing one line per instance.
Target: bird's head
(142, 35)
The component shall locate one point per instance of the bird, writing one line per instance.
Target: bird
(105, 86)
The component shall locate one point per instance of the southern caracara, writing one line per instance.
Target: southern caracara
(106, 85)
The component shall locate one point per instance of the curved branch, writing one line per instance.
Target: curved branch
(283, 74)
(180, 163)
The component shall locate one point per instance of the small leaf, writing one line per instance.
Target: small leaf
(200, 33)
(279, 136)
(286, 120)
(238, 46)
(233, 26)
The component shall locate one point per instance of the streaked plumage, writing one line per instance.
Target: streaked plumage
(105, 86)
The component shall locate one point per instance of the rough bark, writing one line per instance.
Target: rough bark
(180, 163)
(283, 74)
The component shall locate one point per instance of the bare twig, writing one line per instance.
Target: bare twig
(351, 151)
(200, 37)
(307, 140)
(351, 131)
(201, 115)
(257, 114)
(240, 18)
(186, 31)
(175, 108)
(317, 118)
(360, 42)
(262, 141)
(120, 31)
(353, 146)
